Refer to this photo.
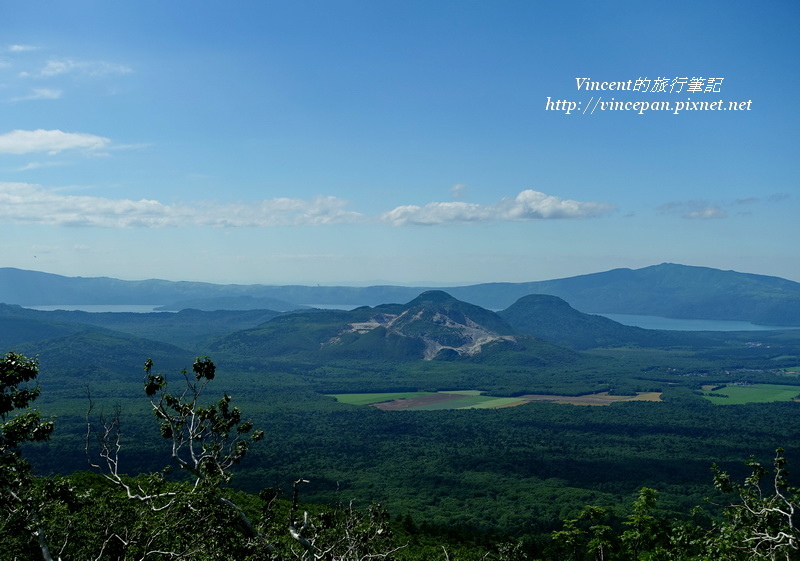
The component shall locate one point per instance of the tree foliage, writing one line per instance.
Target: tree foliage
(20, 501)
(154, 517)
(763, 520)
(110, 515)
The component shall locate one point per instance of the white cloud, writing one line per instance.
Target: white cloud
(87, 68)
(712, 211)
(40, 93)
(458, 191)
(534, 205)
(45, 248)
(37, 165)
(693, 210)
(21, 48)
(34, 204)
(276, 212)
(50, 141)
(528, 205)
(438, 213)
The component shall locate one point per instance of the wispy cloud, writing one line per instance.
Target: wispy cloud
(277, 212)
(693, 209)
(33, 204)
(712, 211)
(38, 165)
(438, 213)
(528, 205)
(40, 93)
(50, 141)
(458, 191)
(45, 248)
(21, 48)
(58, 67)
(778, 197)
(52, 75)
(700, 209)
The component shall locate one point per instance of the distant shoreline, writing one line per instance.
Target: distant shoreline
(643, 321)
(676, 324)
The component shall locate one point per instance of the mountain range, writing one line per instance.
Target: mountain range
(666, 290)
(434, 325)
(434, 341)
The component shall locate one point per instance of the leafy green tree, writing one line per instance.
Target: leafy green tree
(192, 519)
(197, 519)
(587, 536)
(19, 501)
(646, 533)
(763, 522)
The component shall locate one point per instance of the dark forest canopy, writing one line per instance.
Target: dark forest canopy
(516, 499)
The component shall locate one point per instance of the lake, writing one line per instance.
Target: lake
(98, 308)
(673, 324)
(646, 322)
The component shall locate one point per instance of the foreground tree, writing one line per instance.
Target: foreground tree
(762, 522)
(198, 519)
(587, 536)
(20, 500)
(194, 519)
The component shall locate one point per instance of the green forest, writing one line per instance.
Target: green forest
(120, 443)
(107, 514)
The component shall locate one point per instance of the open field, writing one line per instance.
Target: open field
(451, 401)
(593, 399)
(473, 399)
(754, 393)
(372, 398)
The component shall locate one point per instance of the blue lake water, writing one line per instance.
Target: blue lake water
(99, 308)
(646, 322)
(345, 307)
(672, 324)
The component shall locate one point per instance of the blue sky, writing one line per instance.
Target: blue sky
(394, 141)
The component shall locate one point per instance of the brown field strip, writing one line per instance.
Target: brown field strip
(592, 399)
(398, 404)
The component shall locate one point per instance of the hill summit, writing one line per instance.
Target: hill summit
(440, 323)
(553, 319)
(434, 325)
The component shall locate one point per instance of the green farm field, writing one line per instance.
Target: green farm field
(472, 402)
(428, 401)
(474, 399)
(370, 398)
(755, 393)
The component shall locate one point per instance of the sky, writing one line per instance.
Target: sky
(404, 142)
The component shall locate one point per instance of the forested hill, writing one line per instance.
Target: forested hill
(432, 326)
(667, 290)
(554, 320)
(679, 291)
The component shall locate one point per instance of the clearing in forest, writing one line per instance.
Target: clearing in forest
(593, 399)
(473, 399)
(737, 394)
